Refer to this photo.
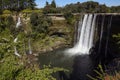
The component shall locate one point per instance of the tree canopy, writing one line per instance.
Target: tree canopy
(17, 4)
(53, 4)
(50, 8)
(85, 7)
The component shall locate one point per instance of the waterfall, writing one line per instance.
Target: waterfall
(79, 29)
(101, 34)
(16, 52)
(86, 35)
(18, 22)
(15, 40)
(108, 33)
(85, 40)
(92, 32)
(30, 50)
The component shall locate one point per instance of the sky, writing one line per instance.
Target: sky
(61, 3)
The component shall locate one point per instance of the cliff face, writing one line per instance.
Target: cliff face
(111, 26)
(106, 49)
(115, 22)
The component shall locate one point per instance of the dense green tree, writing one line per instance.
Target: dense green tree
(6, 22)
(71, 8)
(115, 9)
(51, 8)
(17, 4)
(85, 7)
(40, 23)
(103, 9)
(69, 17)
(47, 3)
(78, 7)
(31, 4)
(90, 7)
(53, 4)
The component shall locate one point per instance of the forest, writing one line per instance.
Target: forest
(85, 7)
(17, 5)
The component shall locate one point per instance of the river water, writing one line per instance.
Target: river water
(56, 58)
(78, 66)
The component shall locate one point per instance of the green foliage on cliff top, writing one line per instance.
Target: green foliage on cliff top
(17, 5)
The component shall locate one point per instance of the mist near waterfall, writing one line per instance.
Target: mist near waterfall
(85, 37)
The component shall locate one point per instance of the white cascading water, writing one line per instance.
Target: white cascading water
(15, 40)
(86, 36)
(18, 23)
(92, 32)
(85, 41)
(16, 52)
(79, 29)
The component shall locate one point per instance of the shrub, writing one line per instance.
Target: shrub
(14, 68)
(34, 19)
(37, 74)
(7, 12)
(69, 17)
(40, 23)
(116, 38)
(7, 22)
(100, 74)
(10, 23)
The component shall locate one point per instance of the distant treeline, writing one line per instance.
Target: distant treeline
(86, 7)
(17, 5)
